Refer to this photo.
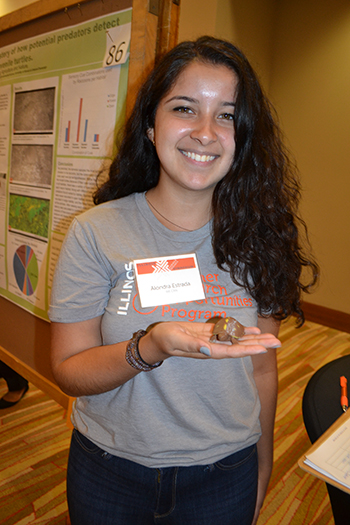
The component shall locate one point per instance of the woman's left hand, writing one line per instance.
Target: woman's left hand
(183, 339)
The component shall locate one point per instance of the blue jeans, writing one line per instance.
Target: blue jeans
(107, 490)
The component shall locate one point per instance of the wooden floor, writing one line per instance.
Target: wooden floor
(34, 441)
(295, 497)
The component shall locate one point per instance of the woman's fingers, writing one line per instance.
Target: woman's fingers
(245, 347)
(267, 340)
(251, 330)
(250, 344)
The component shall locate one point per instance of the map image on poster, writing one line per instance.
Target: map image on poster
(25, 267)
(28, 214)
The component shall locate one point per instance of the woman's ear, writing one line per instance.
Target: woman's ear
(150, 135)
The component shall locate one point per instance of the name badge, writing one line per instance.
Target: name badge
(167, 280)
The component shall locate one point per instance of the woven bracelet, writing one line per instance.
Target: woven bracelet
(133, 357)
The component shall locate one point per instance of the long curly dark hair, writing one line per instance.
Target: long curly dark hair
(256, 233)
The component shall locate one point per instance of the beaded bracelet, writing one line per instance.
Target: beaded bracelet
(133, 357)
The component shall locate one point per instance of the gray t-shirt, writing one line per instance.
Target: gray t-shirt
(188, 411)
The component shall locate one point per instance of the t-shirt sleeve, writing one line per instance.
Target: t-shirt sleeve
(82, 278)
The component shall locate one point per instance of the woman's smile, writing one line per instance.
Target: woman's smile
(197, 157)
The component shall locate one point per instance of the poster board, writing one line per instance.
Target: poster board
(62, 98)
(24, 337)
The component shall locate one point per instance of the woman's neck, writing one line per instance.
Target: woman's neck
(179, 212)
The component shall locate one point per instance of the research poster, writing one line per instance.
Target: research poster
(62, 99)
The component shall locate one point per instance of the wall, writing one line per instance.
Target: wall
(252, 23)
(310, 84)
(247, 24)
(7, 6)
(197, 17)
(301, 50)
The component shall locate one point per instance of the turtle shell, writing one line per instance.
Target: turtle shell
(227, 329)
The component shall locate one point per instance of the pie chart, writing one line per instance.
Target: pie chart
(25, 267)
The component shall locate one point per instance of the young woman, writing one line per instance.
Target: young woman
(170, 427)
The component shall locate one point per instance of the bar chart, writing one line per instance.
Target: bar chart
(88, 112)
(82, 129)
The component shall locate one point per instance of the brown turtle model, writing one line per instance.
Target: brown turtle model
(227, 329)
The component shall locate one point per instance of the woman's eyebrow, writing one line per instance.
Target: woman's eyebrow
(194, 100)
(183, 97)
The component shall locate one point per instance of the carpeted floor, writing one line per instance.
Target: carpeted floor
(34, 442)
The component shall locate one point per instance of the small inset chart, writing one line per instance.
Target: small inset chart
(82, 134)
(88, 112)
(26, 270)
